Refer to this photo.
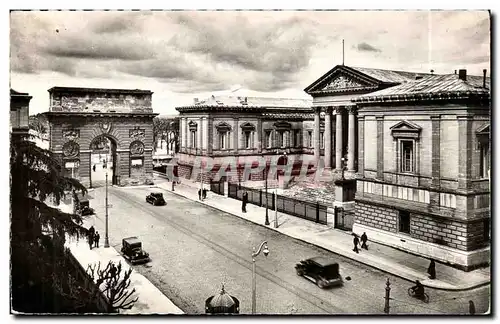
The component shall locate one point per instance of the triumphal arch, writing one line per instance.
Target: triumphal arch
(97, 132)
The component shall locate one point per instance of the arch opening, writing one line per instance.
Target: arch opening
(103, 160)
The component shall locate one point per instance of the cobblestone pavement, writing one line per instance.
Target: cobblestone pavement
(196, 248)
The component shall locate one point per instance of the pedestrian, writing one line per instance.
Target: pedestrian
(364, 239)
(244, 202)
(93, 168)
(199, 194)
(112, 270)
(432, 270)
(91, 236)
(205, 193)
(472, 308)
(356, 242)
(96, 239)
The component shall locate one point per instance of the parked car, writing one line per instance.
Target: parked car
(156, 199)
(322, 271)
(83, 206)
(133, 252)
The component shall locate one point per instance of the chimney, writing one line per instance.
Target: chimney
(462, 75)
(484, 78)
(455, 71)
(432, 71)
(195, 101)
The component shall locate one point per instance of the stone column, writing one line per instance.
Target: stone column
(199, 135)
(380, 147)
(436, 151)
(351, 144)
(338, 139)
(204, 127)
(210, 135)
(317, 118)
(465, 152)
(328, 138)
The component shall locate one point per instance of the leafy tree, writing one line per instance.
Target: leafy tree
(166, 129)
(38, 231)
(40, 124)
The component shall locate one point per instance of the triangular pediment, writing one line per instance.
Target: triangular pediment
(223, 126)
(282, 125)
(248, 126)
(342, 79)
(406, 126)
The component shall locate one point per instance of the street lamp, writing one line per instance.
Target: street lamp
(254, 254)
(267, 211)
(106, 237)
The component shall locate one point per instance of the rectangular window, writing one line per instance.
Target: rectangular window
(484, 163)
(309, 138)
(404, 221)
(407, 156)
(322, 140)
(222, 140)
(486, 230)
(248, 137)
(193, 139)
(268, 139)
(297, 138)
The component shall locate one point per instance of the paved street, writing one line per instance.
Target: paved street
(195, 248)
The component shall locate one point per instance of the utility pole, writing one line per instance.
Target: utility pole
(276, 209)
(387, 296)
(342, 52)
(106, 237)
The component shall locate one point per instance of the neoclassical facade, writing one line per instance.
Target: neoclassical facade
(423, 173)
(245, 128)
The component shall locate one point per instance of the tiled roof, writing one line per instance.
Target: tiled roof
(431, 84)
(17, 93)
(253, 102)
(389, 76)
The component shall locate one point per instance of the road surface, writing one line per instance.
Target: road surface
(195, 249)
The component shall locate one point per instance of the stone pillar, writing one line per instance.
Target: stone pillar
(436, 151)
(328, 138)
(317, 120)
(464, 152)
(199, 137)
(338, 139)
(210, 135)
(361, 147)
(380, 147)
(351, 144)
(204, 127)
(236, 132)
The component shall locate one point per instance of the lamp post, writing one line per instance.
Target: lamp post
(106, 237)
(267, 208)
(254, 285)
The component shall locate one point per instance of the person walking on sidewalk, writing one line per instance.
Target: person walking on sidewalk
(364, 239)
(199, 194)
(91, 236)
(355, 241)
(432, 270)
(244, 202)
(96, 239)
(204, 193)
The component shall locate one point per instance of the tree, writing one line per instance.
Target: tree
(113, 285)
(40, 124)
(38, 231)
(160, 125)
(166, 129)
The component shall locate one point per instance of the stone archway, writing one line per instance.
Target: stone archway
(103, 160)
(121, 120)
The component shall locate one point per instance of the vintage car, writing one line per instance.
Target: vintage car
(156, 199)
(83, 206)
(322, 271)
(133, 252)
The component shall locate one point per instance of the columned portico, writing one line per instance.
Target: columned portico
(317, 147)
(351, 144)
(338, 139)
(328, 138)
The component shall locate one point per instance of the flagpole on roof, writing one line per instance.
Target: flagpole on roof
(342, 52)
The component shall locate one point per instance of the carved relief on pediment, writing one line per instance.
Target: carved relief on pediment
(342, 82)
(71, 134)
(137, 148)
(70, 149)
(137, 134)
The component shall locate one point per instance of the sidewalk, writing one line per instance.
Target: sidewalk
(382, 257)
(151, 300)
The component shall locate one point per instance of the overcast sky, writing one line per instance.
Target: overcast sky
(182, 55)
